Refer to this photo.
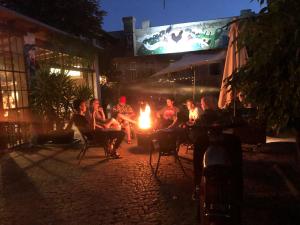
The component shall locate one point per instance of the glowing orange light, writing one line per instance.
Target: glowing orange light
(145, 119)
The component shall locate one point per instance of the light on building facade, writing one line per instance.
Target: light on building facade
(102, 80)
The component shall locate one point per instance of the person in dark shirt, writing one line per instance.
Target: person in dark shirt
(212, 116)
(86, 128)
(201, 139)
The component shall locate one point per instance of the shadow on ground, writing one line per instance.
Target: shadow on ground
(259, 210)
(139, 150)
(179, 200)
(279, 148)
(23, 202)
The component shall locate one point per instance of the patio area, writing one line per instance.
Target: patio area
(47, 186)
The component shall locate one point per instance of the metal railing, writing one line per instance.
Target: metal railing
(13, 134)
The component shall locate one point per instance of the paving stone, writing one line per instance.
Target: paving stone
(49, 187)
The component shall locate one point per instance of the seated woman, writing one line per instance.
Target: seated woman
(100, 135)
(98, 119)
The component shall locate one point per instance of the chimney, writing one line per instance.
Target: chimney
(145, 24)
(129, 31)
(129, 24)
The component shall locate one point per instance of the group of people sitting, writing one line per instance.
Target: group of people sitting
(92, 121)
(168, 116)
(99, 130)
(198, 118)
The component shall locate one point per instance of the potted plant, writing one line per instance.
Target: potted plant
(50, 99)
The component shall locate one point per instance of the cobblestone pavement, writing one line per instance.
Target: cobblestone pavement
(47, 186)
(267, 198)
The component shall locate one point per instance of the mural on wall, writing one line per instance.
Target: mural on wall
(182, 37)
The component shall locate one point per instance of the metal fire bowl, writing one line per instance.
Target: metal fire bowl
(144, 138)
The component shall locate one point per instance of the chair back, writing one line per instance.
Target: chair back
(167, 141)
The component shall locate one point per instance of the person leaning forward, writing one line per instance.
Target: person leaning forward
(125, 115)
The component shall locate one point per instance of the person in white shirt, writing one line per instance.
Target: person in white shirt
(194, 112)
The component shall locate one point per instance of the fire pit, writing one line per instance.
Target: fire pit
(144, 139)
(145, 129)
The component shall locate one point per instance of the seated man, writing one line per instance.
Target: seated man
(239, 106)
(201, 139)
(124, 114)
(242, 101)
(167, 116)
(194, 112)
(210, 116)
(100, 135)
(167, 125)
(97, 117)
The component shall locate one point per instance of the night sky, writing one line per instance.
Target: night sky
(176, 11)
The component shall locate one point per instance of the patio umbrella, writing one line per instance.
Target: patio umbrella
(235, 58)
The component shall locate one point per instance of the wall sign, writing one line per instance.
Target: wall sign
(183, 37)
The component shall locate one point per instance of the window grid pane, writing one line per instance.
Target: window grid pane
(13, 85)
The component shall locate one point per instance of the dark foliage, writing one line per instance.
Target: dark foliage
(78, 17)
(271, 77)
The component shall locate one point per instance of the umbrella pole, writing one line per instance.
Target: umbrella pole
(234, 102)
(194, 83)
(234, 91)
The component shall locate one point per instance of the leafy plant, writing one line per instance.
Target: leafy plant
(83, 92)
(271, 77)
(81, 18)
(51, 96)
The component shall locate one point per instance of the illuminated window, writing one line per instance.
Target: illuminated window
(71, 73)
(79, 69)
(13, 88)
(132, 70)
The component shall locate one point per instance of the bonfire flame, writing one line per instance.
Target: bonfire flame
(145, 119)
